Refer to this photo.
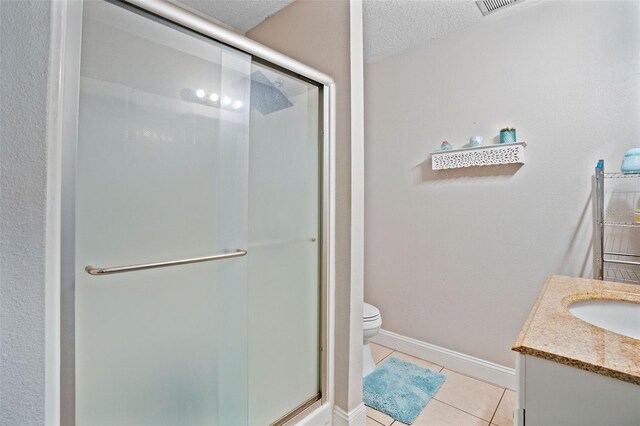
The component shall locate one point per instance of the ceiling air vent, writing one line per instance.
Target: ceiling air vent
(490, 6)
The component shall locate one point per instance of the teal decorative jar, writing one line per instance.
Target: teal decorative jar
(507, 135)
(631, 163)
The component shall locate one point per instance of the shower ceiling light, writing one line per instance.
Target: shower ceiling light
(200, 96)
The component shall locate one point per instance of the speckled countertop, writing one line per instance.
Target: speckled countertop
(552, 332)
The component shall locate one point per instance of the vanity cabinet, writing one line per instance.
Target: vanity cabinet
(550, 393)
(571, 372)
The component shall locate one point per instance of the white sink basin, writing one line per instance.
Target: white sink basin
(613, 315)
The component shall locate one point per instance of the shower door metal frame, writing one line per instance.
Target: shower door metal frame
(67, 86)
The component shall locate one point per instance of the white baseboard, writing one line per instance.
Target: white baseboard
(355, 417)
(487, 371)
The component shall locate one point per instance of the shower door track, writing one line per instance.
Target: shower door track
(296, 412)
(70, 19)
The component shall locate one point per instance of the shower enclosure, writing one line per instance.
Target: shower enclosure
(197, 285)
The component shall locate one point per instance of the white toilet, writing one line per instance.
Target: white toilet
(371, 323)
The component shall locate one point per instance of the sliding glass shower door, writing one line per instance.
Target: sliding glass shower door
(284, 243)
(198, 234)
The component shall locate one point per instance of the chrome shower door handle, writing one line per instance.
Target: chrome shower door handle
(92, 270)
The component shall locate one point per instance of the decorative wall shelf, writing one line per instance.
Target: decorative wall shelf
(506, 153)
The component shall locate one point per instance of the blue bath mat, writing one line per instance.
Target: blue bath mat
(401, 389)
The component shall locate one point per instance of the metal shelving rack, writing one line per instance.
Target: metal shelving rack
(617, 235)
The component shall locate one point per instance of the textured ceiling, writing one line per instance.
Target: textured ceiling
(239, 14)
(390, 26)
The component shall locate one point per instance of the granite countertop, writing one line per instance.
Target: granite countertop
(552, 332)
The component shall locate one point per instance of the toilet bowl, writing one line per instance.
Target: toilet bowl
(371, 323)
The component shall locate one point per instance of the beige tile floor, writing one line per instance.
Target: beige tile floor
(461, 401)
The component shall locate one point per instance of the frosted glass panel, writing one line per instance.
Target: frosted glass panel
(285, 245)
(162, 174)
(169, 168)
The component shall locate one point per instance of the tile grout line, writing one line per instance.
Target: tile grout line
(459, 409)
(474, 378)
(439, 371)
(388, 355)
(381, 424)
(421, 359)
(496, 410)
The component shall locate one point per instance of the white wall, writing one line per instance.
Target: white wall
(456, 258)
(24, 35)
